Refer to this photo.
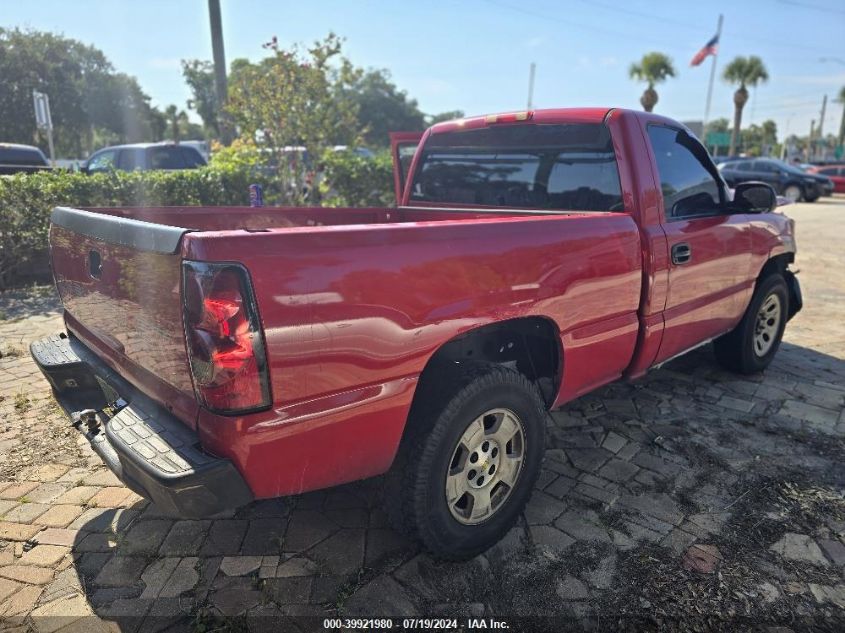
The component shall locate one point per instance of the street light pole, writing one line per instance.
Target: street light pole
(219, 55)
(531, 85)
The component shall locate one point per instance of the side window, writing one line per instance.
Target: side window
(688, 186)
(828, 171)
(763, 167)
(103, 161)
(131, 159)
(166, 158)
(192, 157)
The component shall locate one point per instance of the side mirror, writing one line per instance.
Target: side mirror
(754, 197)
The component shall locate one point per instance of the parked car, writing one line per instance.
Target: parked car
(143, 156)
(15, 159)
(787, 180)
(835, 173)
(216, 355)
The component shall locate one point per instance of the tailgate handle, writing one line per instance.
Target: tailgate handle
(681, 253)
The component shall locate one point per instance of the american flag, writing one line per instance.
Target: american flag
(710, 48)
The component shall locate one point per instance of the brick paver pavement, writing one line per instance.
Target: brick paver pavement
(749, 468)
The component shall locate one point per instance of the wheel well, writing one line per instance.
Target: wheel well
(530, 345)
(776, 264)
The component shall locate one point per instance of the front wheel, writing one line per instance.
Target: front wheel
(751, 345)
(461, 486)
(792, 193)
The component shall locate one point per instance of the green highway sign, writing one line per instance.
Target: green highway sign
(718, 138)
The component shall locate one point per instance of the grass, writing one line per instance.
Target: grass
(22, 403)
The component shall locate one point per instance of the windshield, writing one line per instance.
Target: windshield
(538, 166)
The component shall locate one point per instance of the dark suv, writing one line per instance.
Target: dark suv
(788, 181)
(16, 158)
(143, 156)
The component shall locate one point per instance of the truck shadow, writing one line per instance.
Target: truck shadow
(688, 427)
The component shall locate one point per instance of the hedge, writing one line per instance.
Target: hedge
(26, 200)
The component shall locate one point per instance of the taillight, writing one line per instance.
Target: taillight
(224, 338)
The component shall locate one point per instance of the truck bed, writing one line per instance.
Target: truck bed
(352, 302)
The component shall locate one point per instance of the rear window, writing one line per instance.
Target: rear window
(22, 156)
(536, 166)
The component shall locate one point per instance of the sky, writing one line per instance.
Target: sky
(474, 55)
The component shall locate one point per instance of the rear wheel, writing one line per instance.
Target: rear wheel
(792, 193)
(461, 486)
(751, 346)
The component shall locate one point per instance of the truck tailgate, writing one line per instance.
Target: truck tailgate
(119, 280)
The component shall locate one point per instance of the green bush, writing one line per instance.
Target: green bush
(350, 180)
(26, 201)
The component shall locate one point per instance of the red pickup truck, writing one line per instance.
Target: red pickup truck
(218, 355)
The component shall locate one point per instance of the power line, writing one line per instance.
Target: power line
(815, 7)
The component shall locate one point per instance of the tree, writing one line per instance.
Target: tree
(759, 140)
(177, 123)
(841, 99)
(199, 75)
(89, 101)
(383, 108)
(653, 68)
(445, 116)
(745, 71)
(295, 105)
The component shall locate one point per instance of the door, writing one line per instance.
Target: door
(709, 249)
(769, 173)
(403, 146)
(105, 160)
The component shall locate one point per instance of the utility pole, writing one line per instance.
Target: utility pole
(712, 77)
(219, 55)
(820, 131)
(531, 85)
(812, 136)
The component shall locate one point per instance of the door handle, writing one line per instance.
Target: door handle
(681, 253)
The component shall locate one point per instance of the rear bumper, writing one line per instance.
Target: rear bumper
(151, 451)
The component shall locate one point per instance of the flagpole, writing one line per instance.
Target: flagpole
(712, 77)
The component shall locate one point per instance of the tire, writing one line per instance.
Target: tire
(751, 345)
(459, 455)
(792, 193)
(813, 199)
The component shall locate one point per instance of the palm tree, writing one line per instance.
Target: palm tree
(745, 71)
(177, 120)
(841, 99)
(653, 68)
